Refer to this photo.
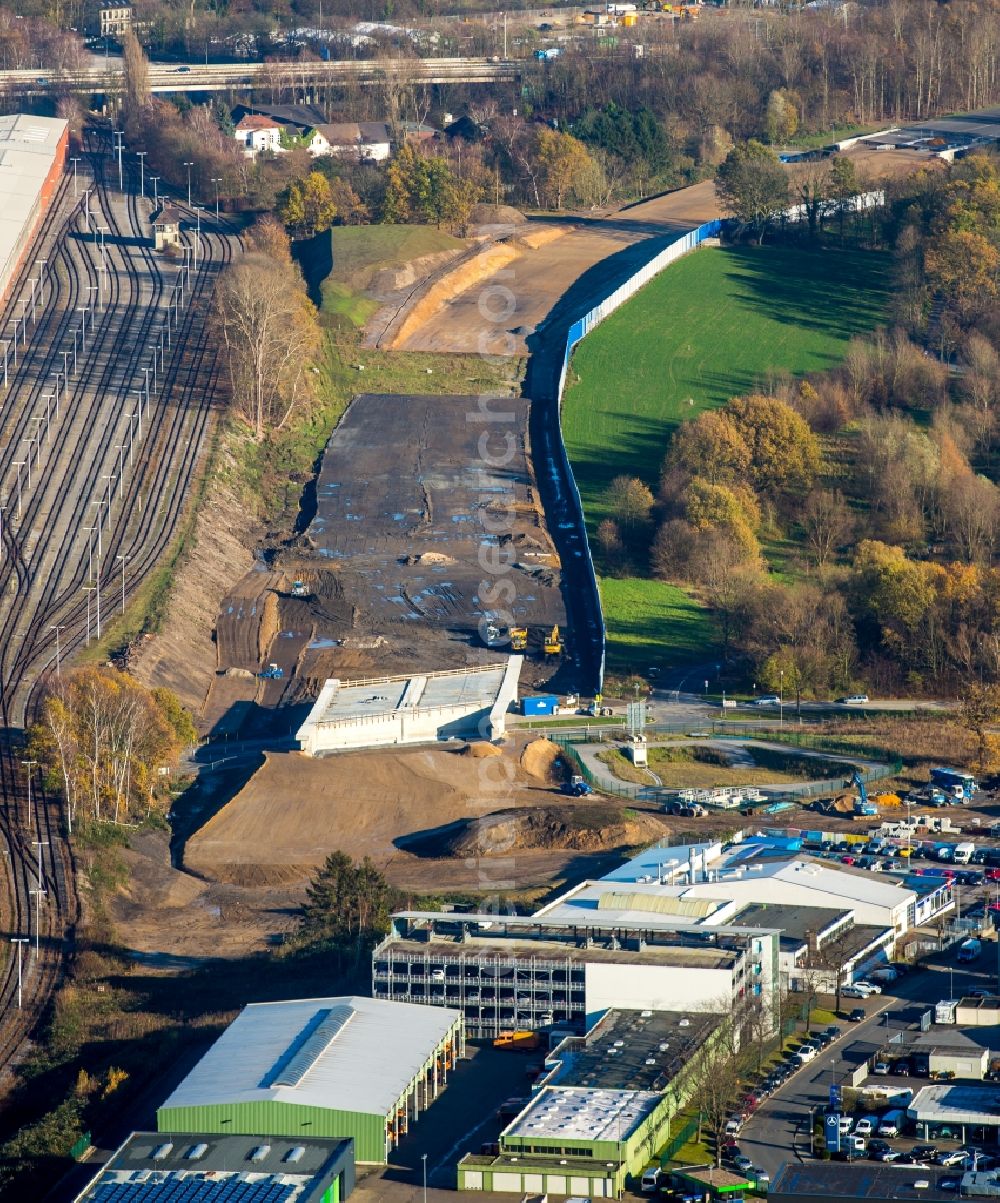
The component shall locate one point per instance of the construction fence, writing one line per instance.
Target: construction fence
(881, 764)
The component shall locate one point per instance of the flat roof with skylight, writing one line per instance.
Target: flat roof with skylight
(581, 1113)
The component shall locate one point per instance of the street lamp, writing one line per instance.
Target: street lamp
(86, 208)
(216, 180)
(781, 697)
(28, 766)
(188, 164)
(74, 162)
(57, 628)
(141, 154)
(123, 558)
(18, 464)
(156, 189)
(110, 478)
(423, 1158)
(39, 894)
(121, 468)
(20, 941)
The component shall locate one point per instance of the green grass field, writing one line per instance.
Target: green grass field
(361, 252)
(710, 327)
(653, 623)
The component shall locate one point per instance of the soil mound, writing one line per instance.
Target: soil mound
(582, 827)
(542, 759)
(480, 751)
(496, 215)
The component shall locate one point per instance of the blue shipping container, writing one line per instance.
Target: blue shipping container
(544, 703)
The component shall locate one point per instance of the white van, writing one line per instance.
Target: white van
(891, 1123)
(964, 853)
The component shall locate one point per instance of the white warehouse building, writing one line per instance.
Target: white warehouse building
(749, 872)
(468, 703)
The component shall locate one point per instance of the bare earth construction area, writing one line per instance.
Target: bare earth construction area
(419, 500)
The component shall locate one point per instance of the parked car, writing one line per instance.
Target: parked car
(882, 1068)
(650, 1181)
(806, 1053)
(866, 1125)
(890, 1155)
(871, 987)
(733, 1126)
(855, 990)
(846, 1124)
(854, 699)
(877, 1146)
(902, 1068)
(858, 1015)
(891, 1124)
(767, 699)
(833, 1032)
(743, 1163)
(924, 1152)
(951, 1158)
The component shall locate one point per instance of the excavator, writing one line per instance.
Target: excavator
(552, 645)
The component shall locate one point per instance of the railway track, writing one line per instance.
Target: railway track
(133, 462)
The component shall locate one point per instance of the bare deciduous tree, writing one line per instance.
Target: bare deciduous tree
(270, 334)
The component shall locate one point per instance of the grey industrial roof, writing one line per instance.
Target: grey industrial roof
(28, 147)
(308, 1052)
(526, 948)
(632, 1050)
(149, 1164)
(957, 1103)
(793, 920)
(346, 701)
(582, 1113)
(865, 1180)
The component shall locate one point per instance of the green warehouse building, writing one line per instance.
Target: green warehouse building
(601, 1113)
(359, 1068)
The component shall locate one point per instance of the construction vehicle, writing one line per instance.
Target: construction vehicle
(552, 645)
(956, 784)
(576, 787)
(864, 808)
(299, 589)
(518, 639)
(492, 634)
(520, 1041)
(273, 672)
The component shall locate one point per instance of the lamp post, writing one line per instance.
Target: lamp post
(110, 478)
(18, 464)
(188, 164)
(6, 345)
(156, 190)
(197, 234)
(423, 1158)
(123, 558)
(34, 283)
(57, 628)
(781, 697)
(88, 589)
(39, 894)
(121, 468)
(20, 941)
(90, 549)
(86, 208)
(131, 437)
(74, 162)
(141, 155)
(216, 180)
(28, 766)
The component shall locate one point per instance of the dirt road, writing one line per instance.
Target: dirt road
(603, 248)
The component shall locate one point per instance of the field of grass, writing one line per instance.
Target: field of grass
(695, 774)
(341, 265)
(653, 623)
(712, 326)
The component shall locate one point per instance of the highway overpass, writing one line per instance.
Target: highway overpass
(213, 77)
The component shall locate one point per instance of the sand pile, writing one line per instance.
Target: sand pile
(480, 751)
(579, 827)
(542, 759)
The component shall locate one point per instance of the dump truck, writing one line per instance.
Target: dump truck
(273, 672)
(954, 782)
(518, 639)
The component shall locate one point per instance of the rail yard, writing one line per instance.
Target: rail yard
(105, 419)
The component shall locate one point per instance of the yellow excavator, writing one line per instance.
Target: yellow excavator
(552, 645)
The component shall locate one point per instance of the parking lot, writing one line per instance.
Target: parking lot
(789, 1101)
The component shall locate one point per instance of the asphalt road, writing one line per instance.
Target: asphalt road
(779, 1130)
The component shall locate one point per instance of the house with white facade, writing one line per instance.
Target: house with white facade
(256, 133)
(359, 141)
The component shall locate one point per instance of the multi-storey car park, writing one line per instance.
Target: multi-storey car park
(505, 972)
